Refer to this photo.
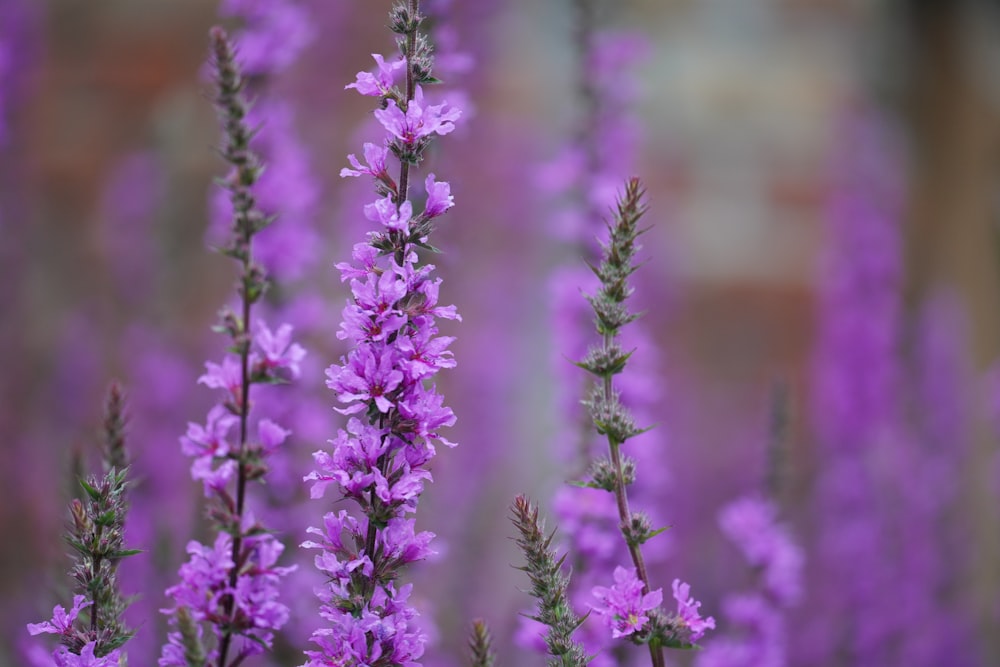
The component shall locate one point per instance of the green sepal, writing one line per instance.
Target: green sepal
(91, 491)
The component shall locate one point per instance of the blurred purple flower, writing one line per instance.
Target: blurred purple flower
(751, 523)
(274, 33)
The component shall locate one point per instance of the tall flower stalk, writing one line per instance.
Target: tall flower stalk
(855, 402)
(96, 535)
(380, 460)
(585, 177)
(232, 585)
(630, 607)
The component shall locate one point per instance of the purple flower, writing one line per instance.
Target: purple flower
(205, 588)
(214, 479)
(439, 197)
(402, 545)
(270, 435)
(751, 523)
(419, 121)
(64, 658)
(62, 620)
(275, 32)
(424, 353)
(687, 610)
(623, 606)
(379, 460)
(384, 211)
(375, 156)
(368, 376)
(381, 82)
(353, 463)
(204, 578)
(280, 356)
(226, 375)
(365, 261)
(210, 439)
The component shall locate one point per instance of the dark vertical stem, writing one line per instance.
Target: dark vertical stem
(94, 601)
(624, 513)
(244, 409)
(411, 47)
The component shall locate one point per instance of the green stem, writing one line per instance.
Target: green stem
(621, 499)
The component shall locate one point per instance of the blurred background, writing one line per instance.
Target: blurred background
(824, 182)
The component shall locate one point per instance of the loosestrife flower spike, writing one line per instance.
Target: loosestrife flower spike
(232, 585)
(96, 534)
(383, 384)
(630, 607)
(756, 618)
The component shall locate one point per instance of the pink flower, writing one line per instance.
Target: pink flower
(270, 435)
(213, 479)
(381, 82)
(687, 610)
(623, 606)
(225, 376)
(375, 156)
(62, 620)
(439, 197)
(384, 211)
(278, 350)
(418, 121)
(63, 658)
(366, 377)
(210, 439)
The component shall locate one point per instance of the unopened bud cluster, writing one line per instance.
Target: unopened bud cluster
(548, 586)
(97, 536)
(630, 607)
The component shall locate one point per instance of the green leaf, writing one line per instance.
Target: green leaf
(654, 533)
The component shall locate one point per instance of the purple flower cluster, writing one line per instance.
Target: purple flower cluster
(205, 590)
(688, 614)
(384, 384)
(751, 524)
(623, 606)
(856, 400)
(233, 584)
(760, 637)
(62, 625)
(274, 34)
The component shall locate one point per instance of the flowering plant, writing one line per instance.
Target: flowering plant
(380, 461)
